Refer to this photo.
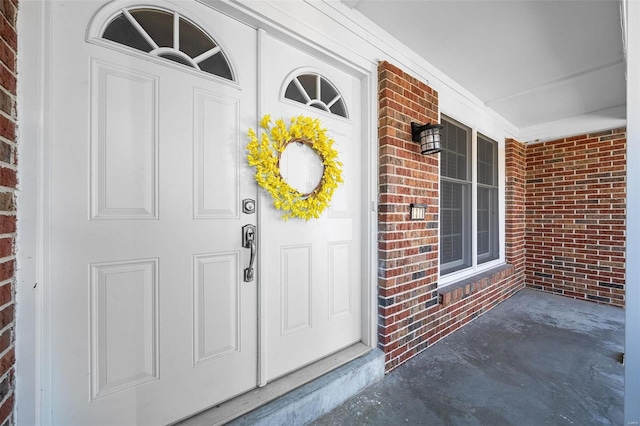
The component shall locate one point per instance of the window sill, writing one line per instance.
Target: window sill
(462, 289)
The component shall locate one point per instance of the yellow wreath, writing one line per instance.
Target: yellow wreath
(265, 155)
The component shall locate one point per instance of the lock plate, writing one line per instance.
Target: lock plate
(248, 206)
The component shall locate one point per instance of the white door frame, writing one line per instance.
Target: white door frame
(34, 65)
(34, 96)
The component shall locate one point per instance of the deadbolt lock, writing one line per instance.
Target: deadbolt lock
(248, 206)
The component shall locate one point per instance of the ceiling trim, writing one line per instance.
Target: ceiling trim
(553, 84)
(351, 3)
(610, 118)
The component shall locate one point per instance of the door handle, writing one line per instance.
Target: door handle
(249, 241)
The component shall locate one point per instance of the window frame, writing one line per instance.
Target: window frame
(315, 102)
(494, 238)
(108, 12)
(476, 267)
(465, 185)
(159, 51)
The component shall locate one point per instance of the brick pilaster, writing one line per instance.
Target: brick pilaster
(515, 193)
(408, 250)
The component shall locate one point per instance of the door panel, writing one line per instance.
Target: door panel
(124, 325)
(216, 124)
(311, 269)
(295, 276)
(124, 119)
(150, 320)
(216, 305)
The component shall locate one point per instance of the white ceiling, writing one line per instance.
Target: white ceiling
(546, 66)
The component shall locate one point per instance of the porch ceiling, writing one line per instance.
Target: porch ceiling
(548, 67)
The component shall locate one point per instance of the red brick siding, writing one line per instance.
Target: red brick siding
(407, 250)
(8, 185)
(576, 216)
(412, 313)
(515, 192)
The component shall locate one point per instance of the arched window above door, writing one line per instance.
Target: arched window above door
(167, 34)
(316, 91)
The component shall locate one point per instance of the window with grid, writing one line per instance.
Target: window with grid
(469, 217)
(168, 35)
(487, 211)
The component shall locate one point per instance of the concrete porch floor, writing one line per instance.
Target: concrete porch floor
(536, 359)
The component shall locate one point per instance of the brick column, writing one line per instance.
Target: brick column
(408, 250)
(515, 168)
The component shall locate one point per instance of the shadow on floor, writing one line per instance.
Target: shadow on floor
(536, 359)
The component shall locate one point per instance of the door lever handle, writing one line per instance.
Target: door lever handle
(248, 272)
(249, 241)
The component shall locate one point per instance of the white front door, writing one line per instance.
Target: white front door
(150, 318)
(311, 276)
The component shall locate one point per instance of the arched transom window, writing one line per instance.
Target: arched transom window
(168, 35)
(316, 91)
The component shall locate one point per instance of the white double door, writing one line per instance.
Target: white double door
(148, 316)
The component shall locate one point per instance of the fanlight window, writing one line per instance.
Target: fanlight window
(316, 91)
(170, 36)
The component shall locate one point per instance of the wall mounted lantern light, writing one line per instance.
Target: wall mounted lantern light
(428, 136)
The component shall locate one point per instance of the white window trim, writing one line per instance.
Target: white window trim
(475, 269)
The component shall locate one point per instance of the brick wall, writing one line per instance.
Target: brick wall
(575, 216)
(565, 224)
(8, 185)
(412, 313)
(515, 193)
(407, 250)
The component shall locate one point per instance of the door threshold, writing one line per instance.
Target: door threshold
(258, 398)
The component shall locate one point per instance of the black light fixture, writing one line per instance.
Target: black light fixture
(428, 136)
